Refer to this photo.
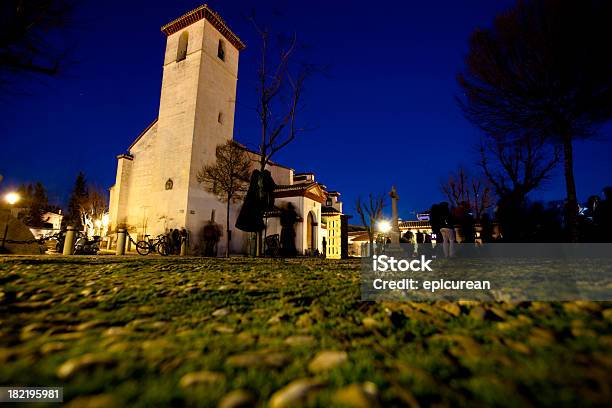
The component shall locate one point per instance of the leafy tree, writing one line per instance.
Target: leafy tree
(80, 194)
(38, 206)
(227, 178)
(33, 198)
(25, 193)
(543, 70)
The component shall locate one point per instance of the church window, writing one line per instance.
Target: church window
(181, 52)
(169, 184)
(221, 50)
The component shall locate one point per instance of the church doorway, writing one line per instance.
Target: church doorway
(311, 232)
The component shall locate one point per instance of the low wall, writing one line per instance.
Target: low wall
(19, 232)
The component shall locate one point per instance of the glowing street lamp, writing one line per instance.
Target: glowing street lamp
(384, 226)
(11, 198)
(105, 220)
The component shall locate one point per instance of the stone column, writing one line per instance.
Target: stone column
(478, 234)
(395, 231)
(69, 241)
(121, 235)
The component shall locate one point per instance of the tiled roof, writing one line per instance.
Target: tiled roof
(360, 237)
(293, 187)
(414, 224)
(329, 210)
(204, 12)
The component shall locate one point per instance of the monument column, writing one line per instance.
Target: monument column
(395, 231)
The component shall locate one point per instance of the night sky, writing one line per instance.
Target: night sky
(385, 112)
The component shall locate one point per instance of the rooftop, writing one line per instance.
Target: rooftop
(414, 224)
(204, 12)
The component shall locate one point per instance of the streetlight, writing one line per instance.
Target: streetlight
(384, 226)
(11, 198)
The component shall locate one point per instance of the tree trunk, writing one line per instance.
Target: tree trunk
(227, 228)
(570, 186)
(371, 236)
(259, 251)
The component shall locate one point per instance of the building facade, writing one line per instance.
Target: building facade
(156, 187)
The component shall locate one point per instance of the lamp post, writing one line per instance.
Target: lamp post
(11, 199)
(384, 226)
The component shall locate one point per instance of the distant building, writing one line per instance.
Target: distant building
(52, 224)
(415, 227)
(359, 241)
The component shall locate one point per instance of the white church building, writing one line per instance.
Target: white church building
(156, 187)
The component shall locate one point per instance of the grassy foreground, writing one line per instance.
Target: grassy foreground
(208, 332)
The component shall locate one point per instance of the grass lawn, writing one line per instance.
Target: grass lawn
(201, 332)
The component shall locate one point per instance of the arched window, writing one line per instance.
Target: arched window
(181, 52)
(221, 50)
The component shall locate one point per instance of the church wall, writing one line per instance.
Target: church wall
(281, 175)
(213, 125)
(314, 206)
(175, 131)
(119, 192)
(216, 97)
(113, 202)
(140, 183)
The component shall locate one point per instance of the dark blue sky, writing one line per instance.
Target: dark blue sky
(385, 113)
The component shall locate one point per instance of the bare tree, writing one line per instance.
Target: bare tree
(530, 74)
(92, 207)
(516, 169)
(463, 189)
(227, 178)
(370, 212)
(280, 88)
(27, 28)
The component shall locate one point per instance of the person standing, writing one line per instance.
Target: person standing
(324, 247)
(175, 239)
(446, 230)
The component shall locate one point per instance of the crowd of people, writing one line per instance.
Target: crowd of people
(175, 238)
(595, 220)
(524, 222)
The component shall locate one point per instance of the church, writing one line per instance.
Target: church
(156, 187)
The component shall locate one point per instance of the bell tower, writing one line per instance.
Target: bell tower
(196, 113)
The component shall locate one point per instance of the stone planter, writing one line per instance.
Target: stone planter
(496, 233)
(459, 235)
(478, 233)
